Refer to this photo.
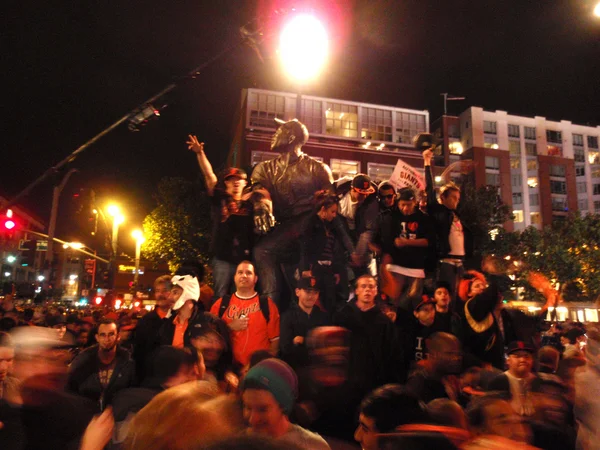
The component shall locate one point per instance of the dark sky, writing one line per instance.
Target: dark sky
(73, 67)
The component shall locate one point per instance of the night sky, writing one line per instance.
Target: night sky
(73, 67)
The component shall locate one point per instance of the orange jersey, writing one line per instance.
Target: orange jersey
(258, 335)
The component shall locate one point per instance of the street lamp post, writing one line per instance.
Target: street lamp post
(118, 219)
(139, 240)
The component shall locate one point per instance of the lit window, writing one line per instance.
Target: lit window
(594, 158)
(456, 148)
(342, 168)
(518, 213)
(514, 147)
(532, 182)
(341, 120)
(535, 218)
(490, 142)
(376, 124)
(379, 172)
(591, 315)
(530, 149)
(554, 150)
(532, 164)
(515, 163)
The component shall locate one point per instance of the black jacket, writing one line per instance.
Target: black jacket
(167, 329)
(146, 335)
(314, 239)
(442, 218)
(375, 353)
(84, 379)
(295, 322)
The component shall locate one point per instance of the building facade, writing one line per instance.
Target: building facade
(350, 137)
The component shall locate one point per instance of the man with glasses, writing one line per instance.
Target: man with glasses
(104, 369)
(386, 192)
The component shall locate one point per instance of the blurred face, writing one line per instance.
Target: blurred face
(61, 329)
(425, 314)
(451, 199)
(211, 346)
(82, 338)
(366, 290)
(43, 369)
(520, 363)
(7, 356)
(501, 420)
(163, 300)
(366, 433)
(234, 186)
(245, 278)
(328, 214)
(357, 196)
(307, 298)
(477, 287)
(107, 336)
(176, 292)
(387, 197)
(442, 299)
(262, 412)
(407, 207)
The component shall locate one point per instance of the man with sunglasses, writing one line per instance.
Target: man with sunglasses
(386, 192)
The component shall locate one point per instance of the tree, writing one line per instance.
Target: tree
(178, 228)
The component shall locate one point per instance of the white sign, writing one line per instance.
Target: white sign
(405, 175)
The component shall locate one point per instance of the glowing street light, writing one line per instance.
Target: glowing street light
(303, 47)
(138, 235)
(11, 259)
(597, 10)
(41, 278)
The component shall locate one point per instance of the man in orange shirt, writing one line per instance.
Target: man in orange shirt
(253, 320)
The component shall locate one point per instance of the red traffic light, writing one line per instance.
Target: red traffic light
(98, 300)
(136, 304)
(9, 224)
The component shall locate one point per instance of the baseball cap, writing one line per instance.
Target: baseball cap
(418, 302)
(235, 172)
(517, 346)
(308, 284)
(362, 184)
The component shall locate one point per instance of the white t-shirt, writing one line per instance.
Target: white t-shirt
(456, 238)
(348, 210)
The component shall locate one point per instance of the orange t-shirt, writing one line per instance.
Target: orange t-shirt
(179, 332)
(258, 335)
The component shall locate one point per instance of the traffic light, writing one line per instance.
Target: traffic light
(98, 300)
(9, 223)
(28, 253)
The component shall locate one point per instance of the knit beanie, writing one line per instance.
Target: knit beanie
(190, 286)
(278, 378)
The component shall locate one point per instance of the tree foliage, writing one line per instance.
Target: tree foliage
(178, 229)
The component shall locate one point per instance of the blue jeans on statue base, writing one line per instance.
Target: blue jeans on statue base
(223, 273)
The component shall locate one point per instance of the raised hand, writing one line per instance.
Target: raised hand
(194, 145)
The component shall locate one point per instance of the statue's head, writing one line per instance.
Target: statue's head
(290, 134)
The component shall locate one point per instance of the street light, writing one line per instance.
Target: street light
(118, 219)
(138, 235)
(11, 259)
(303, 47)
(597, 10)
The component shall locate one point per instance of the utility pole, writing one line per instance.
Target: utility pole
(447, 99)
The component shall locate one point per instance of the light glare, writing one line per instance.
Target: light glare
(303, 47)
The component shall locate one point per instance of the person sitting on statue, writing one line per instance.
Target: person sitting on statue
(284, 189)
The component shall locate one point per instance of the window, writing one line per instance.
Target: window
(516, 181)
(408, 125)
(559, 187)
(578, 140)
(258, 157)
(592, 141)
(554, 150)
(579, 171)
(582, 204)
(341, 168)
(530, 149)
(594, 157)
(534, 200)
(579, 154)
(535, 218)
(341, 120)
(513, 130)
(581, 187)
(532, 164)
(515, 163)
(264, 108)
(489, 127)
(559, 204)
(490, 142)
(557, 171)
(596, 205)
(492, 179)
(453, 131)
(518, 213)
(456, 148)
(376, 124)
(514, 147)
(596, 189)
(529, 133)
(596, 173)
(532, 182)
(312, 115)
(517, 198)
(492, 162)
(379, 172)
(554, 136)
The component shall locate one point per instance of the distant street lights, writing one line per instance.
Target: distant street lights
(138, 235)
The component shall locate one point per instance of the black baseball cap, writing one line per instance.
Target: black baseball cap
(235, 172)
(308, 284)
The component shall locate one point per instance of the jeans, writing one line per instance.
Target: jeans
(223, 272)
(451, 274)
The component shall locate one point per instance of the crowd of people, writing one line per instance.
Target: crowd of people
(342, 316)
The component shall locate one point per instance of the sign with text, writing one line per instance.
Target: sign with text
(405, 175)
